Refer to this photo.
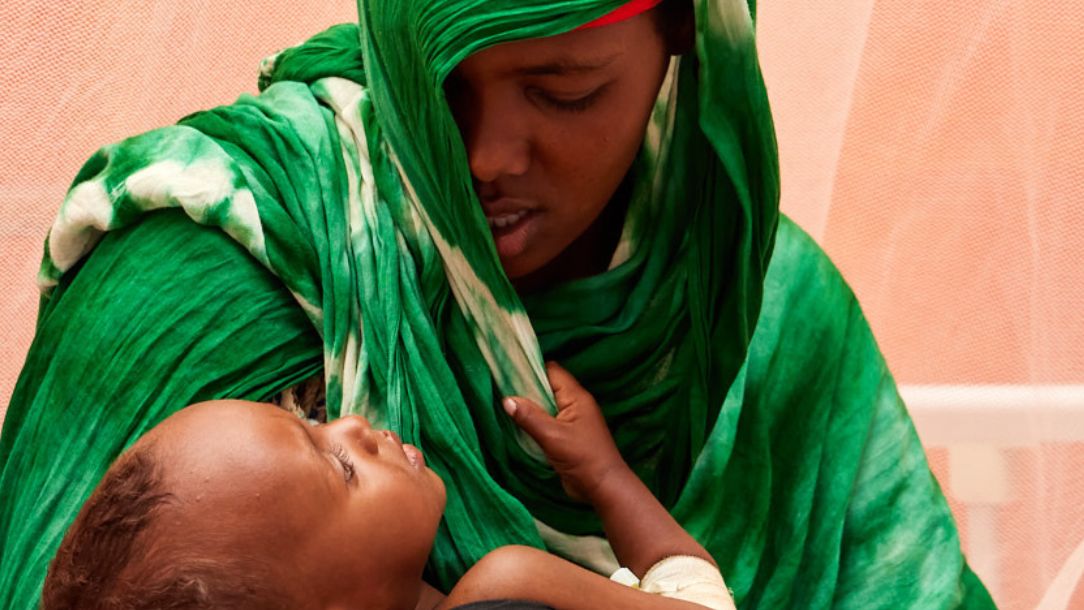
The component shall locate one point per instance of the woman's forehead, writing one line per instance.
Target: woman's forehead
(573, 53)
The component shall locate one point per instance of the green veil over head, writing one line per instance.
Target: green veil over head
(661, 335)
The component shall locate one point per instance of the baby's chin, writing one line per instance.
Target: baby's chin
(435, 483)
(441, 491)
(435, 493)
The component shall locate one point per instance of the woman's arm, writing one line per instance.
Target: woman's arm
(579, 446)
(525, 573)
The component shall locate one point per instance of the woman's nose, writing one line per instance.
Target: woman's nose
(494, 153)
(496, 138)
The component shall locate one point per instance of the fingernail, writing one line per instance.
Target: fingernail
(510, 406)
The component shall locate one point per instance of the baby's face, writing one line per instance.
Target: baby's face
(343, 512)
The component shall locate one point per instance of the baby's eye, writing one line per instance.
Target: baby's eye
(344, 460)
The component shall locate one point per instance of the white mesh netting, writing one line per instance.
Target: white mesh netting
(936, 150)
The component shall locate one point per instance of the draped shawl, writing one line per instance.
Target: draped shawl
(336, 229)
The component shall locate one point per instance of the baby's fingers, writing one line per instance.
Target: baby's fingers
(566, 389)
(532, 418)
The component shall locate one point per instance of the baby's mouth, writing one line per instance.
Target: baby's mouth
(414, 456)
(412, 453)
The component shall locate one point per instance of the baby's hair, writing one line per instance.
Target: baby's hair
(112, 557)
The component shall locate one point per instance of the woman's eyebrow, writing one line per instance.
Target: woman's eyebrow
(564, 65)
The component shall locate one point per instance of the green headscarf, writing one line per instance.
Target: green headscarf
(347, 179)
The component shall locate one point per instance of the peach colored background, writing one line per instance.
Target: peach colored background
(936, 150)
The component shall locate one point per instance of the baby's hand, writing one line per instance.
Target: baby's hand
(577, 442)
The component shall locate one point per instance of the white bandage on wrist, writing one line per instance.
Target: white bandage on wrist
(689, 579)
(624, 576)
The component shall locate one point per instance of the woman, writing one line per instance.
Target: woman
(426, 216)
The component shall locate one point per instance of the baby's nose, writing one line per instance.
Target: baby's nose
(351, 424)
(355, 430)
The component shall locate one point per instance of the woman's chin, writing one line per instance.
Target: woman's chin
(519, 267)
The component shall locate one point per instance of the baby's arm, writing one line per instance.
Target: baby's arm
(642, 533)
(525, 573)
(580, 448)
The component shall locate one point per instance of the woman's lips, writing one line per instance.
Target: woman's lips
(511, 221)
(502, 221)
(511, 231)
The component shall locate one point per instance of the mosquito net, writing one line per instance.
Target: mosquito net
(934, 149)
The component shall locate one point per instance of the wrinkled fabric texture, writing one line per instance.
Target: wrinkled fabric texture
(335, 227)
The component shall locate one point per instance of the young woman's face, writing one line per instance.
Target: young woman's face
(551, 127)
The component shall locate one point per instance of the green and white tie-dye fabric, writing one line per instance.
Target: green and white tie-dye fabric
(785, 451)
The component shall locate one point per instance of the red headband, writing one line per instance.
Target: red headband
(623, 12)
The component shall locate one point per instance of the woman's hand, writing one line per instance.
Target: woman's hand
(576, 442)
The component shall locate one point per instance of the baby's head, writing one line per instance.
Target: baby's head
(236, 504)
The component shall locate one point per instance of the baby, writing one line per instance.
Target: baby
(242, 505)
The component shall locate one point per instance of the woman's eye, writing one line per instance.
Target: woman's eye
(566, 104)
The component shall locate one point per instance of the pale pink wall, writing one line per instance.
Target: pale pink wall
(956, 209)
(936, 150)
(80, 74)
